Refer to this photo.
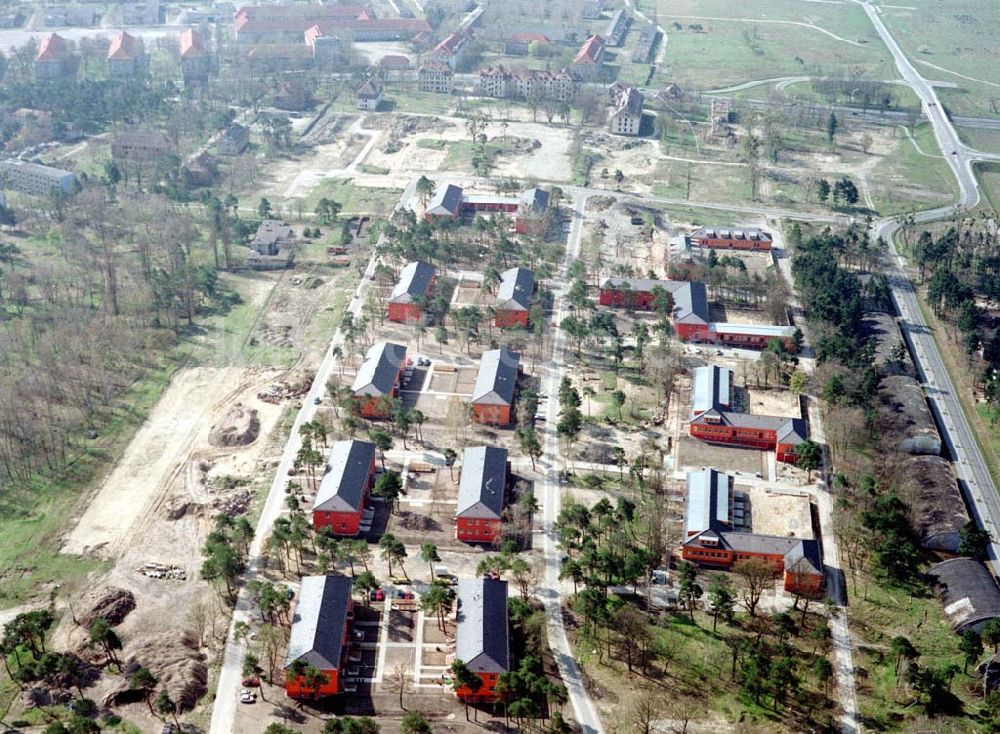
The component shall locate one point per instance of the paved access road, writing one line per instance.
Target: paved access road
(551, 591)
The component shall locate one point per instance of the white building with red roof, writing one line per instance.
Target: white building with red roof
(590, 58)
(126, 57)
(54, 59)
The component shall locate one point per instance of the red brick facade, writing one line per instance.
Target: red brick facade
(511, 317)
(346, 523)
(802, 584)
(491, 415)
(762, 439)
(476, 530)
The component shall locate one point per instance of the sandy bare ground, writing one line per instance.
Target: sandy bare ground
(159, 453)
(550, 162)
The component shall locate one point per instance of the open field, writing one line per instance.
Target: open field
(989, 178)
(765, 40)
(987, 141)
(957, 38)
(159, 453)
(916, 176)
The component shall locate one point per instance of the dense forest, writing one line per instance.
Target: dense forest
(88, 305)
(960, 267)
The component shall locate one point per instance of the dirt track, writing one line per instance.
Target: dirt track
(159, 454)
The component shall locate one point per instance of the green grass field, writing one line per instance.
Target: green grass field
(960, 37)
(987, 141)
(989, 179)
(908, 180)
(354, 199)
(885, 614)
(740, 43)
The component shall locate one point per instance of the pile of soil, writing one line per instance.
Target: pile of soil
(110, 602)
(176, 660)
(239, 427)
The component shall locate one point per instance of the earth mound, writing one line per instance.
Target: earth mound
(238, 427)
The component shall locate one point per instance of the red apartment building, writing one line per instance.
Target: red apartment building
(513, 305)
(712, 539)
(378, 378)
(345, 488)
(493, 394)
(481, 491)
(451, 202)
(482, 640)
(323, 617)
(690, 313)
(732, 239)
(713, 420)
(589, 59)
(744, 430)
(412, 292)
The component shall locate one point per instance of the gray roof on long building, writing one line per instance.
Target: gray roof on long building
(343, 485)
(641, 285)
(800, 555)
(414, 280)
(968, 591)
(690, 298)
(377, 374)
(788, 430)
(497, 377)
(707, 503)
(319, 620)
(481, 640)
(516, 288)
(13, 164)
(484, 479)
(711, 387)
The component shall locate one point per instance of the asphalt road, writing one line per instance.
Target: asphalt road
(552, 592)
(973, 474)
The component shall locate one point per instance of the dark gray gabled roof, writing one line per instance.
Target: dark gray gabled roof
(516, 288)
(483, 483)
(447, 200)
(414, 281)
(690, 302)
(481, 640)
(533, 201)
(804, 557)
(369, 90)
(497, 377)
(319, 621)
(377, 374)
(343, 485)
